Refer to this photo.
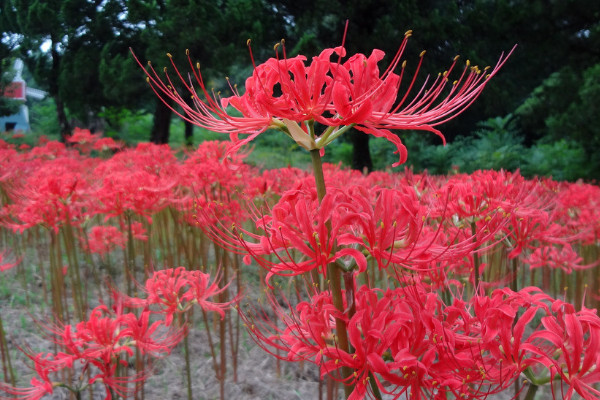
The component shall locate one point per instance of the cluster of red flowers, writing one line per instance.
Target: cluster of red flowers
(429, 332)
(424, 260)
(99, 347)
(409, 341)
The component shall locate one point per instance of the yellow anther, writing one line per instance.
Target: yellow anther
(169, 55)
(422, 53)
(187, 52)
(197, 65)
(404, 64)
(276, 46)
(248, 42)
(456, 57)
(149, 63)
(408, 33)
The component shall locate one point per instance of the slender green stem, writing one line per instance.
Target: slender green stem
(335, 276)
(186, 350)
(531, 390)
(476, 261)
(330, 136)
(374, 387)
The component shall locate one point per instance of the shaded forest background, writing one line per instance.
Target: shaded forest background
(540, 114)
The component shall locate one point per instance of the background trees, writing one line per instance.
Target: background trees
(78, 50)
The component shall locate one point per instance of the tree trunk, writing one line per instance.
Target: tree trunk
(361, 157)
(189, 133)
(63, 123)
(162, 121)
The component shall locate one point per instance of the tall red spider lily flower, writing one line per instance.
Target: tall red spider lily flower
(554, 257)
(300, 332)
(85, 141)
(296, 224)
(500, 323)
(140, 181)
(176, 290)
(99, 345)
(44, 364)
(103, 239)
(570, 347)
(208, 183)
(577, 206)
(53, 195)
(38, 390)
(338, 95)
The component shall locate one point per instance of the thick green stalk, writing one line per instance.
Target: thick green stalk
(531, 390)
(7, 369)
(334, 276)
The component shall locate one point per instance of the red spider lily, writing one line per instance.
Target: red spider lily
(297, 222)
(141, 181)
(103, 239)
(53, 195)
(85, 141)
(500, 322)
(147, 338)
(578, 209)
(177, 290)
(308, 327)
(38, 390)
(564, 258)
(332, 93)
(99, 345)
(573, 354)
(211, 185)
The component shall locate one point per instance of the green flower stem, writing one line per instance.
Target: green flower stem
(531, 390)
(476, 261)
(331, 134)
(334, 277)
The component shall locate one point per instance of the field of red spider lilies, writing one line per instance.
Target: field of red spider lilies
(458, 286)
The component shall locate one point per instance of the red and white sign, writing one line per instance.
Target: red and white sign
(15, 90)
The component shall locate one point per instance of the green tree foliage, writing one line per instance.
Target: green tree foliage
(7, 106)
(564, 109)
(215, 33)
(61, 43)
